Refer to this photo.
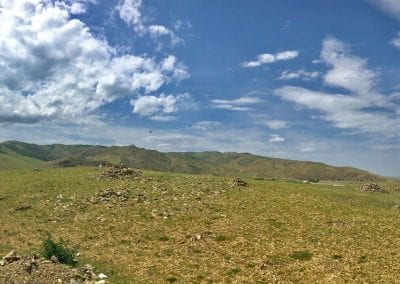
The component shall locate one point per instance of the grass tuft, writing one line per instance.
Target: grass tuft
(302, 255)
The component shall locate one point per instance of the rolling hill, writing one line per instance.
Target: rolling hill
(17, 155)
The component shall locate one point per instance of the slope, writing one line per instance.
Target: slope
(23, 155)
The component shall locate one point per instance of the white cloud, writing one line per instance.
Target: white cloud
(162, 118)
(300, 74)
(343, 110)
(276, 139)
(237, 104)
(206, 125)
(363, 109)
(78, 8)
(179, 24)
(276, 124)
(130, 12)
(74, 7)
(159, 108)
(157, 31)
(149, 105)
(54, 67)
(396, 41)
(270, 58)
(391, 7)
(266, 120)
(348, 71)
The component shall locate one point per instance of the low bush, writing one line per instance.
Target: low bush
(64, 255)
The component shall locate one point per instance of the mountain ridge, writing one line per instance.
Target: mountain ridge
(18, 155)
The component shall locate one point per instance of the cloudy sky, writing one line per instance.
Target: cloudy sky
(299, 79)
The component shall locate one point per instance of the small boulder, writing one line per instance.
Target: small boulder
(54, 259)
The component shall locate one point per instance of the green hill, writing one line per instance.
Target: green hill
(15, 155)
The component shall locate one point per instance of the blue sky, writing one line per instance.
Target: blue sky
(305, 79)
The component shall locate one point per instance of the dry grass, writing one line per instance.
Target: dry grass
(200, 229)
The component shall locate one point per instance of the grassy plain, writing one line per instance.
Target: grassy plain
(201, 229)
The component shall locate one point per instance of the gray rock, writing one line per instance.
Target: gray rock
(54, 259)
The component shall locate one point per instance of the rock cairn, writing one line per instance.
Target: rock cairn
(238, 182)
(372, 187)
(119, 172)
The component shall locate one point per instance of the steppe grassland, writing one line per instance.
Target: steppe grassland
(188, 228)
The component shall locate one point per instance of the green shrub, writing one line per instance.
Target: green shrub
(59, 250)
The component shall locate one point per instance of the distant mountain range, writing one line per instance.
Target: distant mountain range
(19, 155)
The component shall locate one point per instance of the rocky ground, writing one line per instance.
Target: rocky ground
(372, 187)
(16, 269)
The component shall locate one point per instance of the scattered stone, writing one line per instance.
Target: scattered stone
(372, 187)
(34, 269)
(32, 264)
(118, 196)
(119, 172)
(88, 273)
(197, 237)
(238, 182)
(102, 276)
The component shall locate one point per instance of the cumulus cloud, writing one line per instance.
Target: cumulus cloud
(300, 74)
(130, 12)
(267, 58)
(276, 139)
(239, 104)
(159, 108)
(54, 67)
(363, 108)
(396, 41)
(391, 7)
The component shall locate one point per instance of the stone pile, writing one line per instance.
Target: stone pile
(35, 269)
(372, 187)
(238, 182)
(119, 172)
